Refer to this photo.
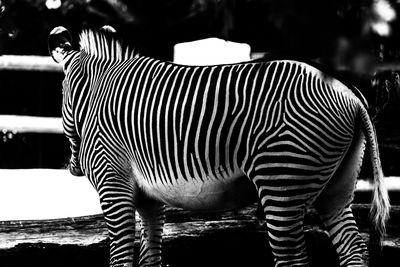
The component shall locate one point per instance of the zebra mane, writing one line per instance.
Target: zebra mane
(105, 45)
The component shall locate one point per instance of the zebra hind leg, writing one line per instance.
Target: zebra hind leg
(152, 223)
(284, 216)
(333, 206)
(345, 237)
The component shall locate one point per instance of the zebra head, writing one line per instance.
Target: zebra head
(59, 43)
(95, 46)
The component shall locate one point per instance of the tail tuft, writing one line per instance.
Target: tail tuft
(380, 207)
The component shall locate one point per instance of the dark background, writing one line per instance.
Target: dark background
(336, 33)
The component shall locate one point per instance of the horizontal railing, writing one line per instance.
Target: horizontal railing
(30, 124)
(35, 124)
(29, 63)
(46, 63)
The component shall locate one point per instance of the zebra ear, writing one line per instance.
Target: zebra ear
(59, 43)
(108, 28)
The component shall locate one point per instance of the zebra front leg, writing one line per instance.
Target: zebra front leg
(345, 237)
(119, 212)
(152, 222)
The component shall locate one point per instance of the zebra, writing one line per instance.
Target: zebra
(149, 133)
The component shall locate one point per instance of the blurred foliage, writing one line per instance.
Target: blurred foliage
(333, 30)
(350, 35)
(387, 93)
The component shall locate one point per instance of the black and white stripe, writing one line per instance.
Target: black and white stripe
(283, 124)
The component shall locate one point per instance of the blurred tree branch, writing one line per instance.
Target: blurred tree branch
(121, 10)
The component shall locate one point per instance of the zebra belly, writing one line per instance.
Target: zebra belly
(209, 194)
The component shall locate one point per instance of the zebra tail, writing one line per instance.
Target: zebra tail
(380, 207)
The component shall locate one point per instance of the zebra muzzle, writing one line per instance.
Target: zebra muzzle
(75, 170)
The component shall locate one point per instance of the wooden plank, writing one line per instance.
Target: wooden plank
(29, 63)
(30, 124)
(81, 231)
(392, 183)
(235, 238)
(46, 63)
(89, 230)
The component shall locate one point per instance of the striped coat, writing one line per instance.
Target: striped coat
(148, 133)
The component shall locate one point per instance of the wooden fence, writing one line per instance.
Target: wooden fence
(181, 226)
(28, 63)
(34, 124)
(26, 124)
